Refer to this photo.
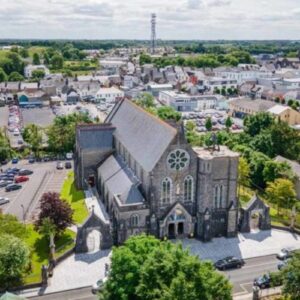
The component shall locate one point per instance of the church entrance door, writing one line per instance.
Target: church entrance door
(180, 228)
(171, 231)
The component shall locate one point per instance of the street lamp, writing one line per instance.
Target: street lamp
(23, 210)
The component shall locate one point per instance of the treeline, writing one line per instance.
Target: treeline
(200, 61)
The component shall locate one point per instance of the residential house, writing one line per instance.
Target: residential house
(30, 68)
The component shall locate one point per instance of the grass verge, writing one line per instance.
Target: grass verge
(75, 198)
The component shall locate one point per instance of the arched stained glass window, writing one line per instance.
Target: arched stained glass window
(188, 188)
(166, 190)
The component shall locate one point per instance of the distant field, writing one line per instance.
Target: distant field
(36, 49)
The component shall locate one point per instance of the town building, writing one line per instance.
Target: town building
(109, 95)
(150, 180)
(30, 68)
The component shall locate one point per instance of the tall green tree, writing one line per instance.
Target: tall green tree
(57, 62)
(145, 100)
(9, 224)
(36, 59)
(15, 76)
(3, 76)
(33, 136)
(228, 123)
(38, 74)
(254, 124)
(146, 268)
(282, 193)
(14, 260)
(208, 124)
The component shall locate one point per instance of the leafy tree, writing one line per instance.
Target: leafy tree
(13, 63)
(57, 62)
(15, 76)
(24, 52)
(228, 123)
(291, 278)
(67, 72)
(290, 102)
(5, 150)
(61, 135)
(9, 224)
(282, 193)
(146, 268)
(274, 170)
(38, 74)
(257, 161)
(3, 76)
(168, 113)
(262, 142)
(208, 124)
(244, 172)
(14, 260)
(58, 211)
(254, 124)
(145, 100)
(36, 59)
(190, 125)
(145, 59)
(46, 58)
(33, 136)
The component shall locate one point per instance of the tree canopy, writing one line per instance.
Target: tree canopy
(146, 268)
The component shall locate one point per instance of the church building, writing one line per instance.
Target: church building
(151, 180)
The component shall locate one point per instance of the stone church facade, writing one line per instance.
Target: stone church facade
(151, 180)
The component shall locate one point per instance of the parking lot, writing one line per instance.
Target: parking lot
(3, 116)
(24, 202)
(218, 118)
(39, 116)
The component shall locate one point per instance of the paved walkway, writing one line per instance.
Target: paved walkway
(245, 245)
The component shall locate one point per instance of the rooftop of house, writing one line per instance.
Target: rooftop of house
(278, 109)
(255, 105)
(294, 165)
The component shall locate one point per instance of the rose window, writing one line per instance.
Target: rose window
(178, 160)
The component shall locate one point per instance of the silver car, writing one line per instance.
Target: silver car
(4, 200)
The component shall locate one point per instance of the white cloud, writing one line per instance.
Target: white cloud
(177, 19)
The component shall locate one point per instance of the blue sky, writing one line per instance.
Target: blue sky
(130, 19)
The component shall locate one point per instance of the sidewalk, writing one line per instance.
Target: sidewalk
(263, 293)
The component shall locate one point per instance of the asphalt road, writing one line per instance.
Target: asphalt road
(24, 202)
(242, 279)
(78, 294)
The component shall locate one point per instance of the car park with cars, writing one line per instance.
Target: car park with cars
(229, 263)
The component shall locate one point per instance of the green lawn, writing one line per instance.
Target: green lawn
(75, 198)
(40, 251)
(36, 49)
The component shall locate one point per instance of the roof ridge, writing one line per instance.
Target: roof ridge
(152, 116)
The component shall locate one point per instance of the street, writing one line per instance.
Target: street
(242, 279)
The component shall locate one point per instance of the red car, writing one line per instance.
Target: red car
(21, 179)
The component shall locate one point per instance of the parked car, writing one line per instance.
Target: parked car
(98, 286)
(229, 262)
(4, 183)
(20, 179)
(282, 264)
(69, 156)
(31, 160)
(68, 165)
(284, 253)
(23, 172)
(59, 165)
(14, 160)
(263, 282)
(12, 187)
(3, 200)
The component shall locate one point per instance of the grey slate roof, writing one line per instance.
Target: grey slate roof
(95, 136)
(294, 165)
(145, 136)
(120, 181)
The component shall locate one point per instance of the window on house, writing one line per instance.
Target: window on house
(166, 190)
(216, 196)
(188, 188)
(134, 220)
